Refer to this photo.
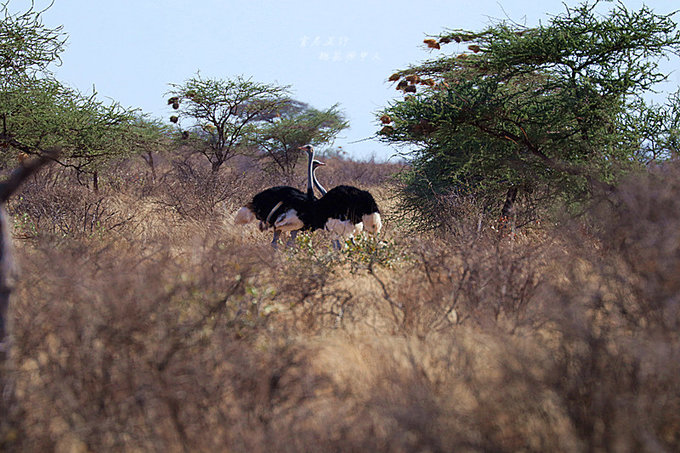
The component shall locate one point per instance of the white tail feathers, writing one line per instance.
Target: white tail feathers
(244, 216)
(372, 223)
(288, 221)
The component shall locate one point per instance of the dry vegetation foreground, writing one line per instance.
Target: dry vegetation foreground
(146, 321)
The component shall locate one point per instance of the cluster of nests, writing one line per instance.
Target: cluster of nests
(408, 82)
(422, 127)
(408, 86)
(175, 101)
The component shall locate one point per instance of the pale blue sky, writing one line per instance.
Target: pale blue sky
(329, 52)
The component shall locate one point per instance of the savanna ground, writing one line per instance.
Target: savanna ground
(144, 320)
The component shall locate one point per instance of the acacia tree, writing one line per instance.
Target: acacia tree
(294, 125)
(223, 113)
(44, 113)
(555, 110)
(27, 45)
(38, 113)
(28, 48)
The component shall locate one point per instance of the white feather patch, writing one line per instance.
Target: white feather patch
(288, 221)
(244, 216)
(341, 228)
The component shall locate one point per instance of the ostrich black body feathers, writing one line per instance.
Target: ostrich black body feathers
(274, 202)
(283, 208)
(344, 210)
(344, 203)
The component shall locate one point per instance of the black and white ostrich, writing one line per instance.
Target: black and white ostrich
(344, 210)
(282, 208)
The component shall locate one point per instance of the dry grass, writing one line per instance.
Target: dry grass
(146, 321)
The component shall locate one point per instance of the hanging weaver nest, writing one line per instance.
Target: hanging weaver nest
(432, 43)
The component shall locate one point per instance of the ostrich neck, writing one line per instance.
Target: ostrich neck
(310, 170)
(318, 185)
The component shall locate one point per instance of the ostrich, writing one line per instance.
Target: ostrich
(282, 208)
(344, 210)
(347, 210)
(340, 228)
(299, 217)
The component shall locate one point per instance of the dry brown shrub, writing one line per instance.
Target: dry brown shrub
(382, 393)
(616, 315)
(181, 332)
(119, 347)
(364, 174)
(488, 282)
(55, 204)
(195, 192)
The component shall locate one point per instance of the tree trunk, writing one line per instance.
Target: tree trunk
(152, 164)
(95, 181)
(7, 279)
(507, 221)
(509, 205)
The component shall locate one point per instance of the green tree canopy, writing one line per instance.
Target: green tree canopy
(26, 45)
(225, 110)
(553, 110)
(37, 112)
(43, 114)
(296, 124)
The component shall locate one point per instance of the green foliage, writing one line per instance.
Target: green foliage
(363, 252)
(24, 226)
(223, 113)
(296, 124)
(44, 113)
(656, 128)
(26, 45)
(310, 256)
(554, 110)
(369, 251)
(147, 135)
(37, 112)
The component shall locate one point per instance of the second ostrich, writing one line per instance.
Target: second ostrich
(344, 210)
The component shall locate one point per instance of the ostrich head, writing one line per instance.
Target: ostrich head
(308, 148)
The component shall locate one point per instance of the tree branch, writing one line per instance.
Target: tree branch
(11, 184)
